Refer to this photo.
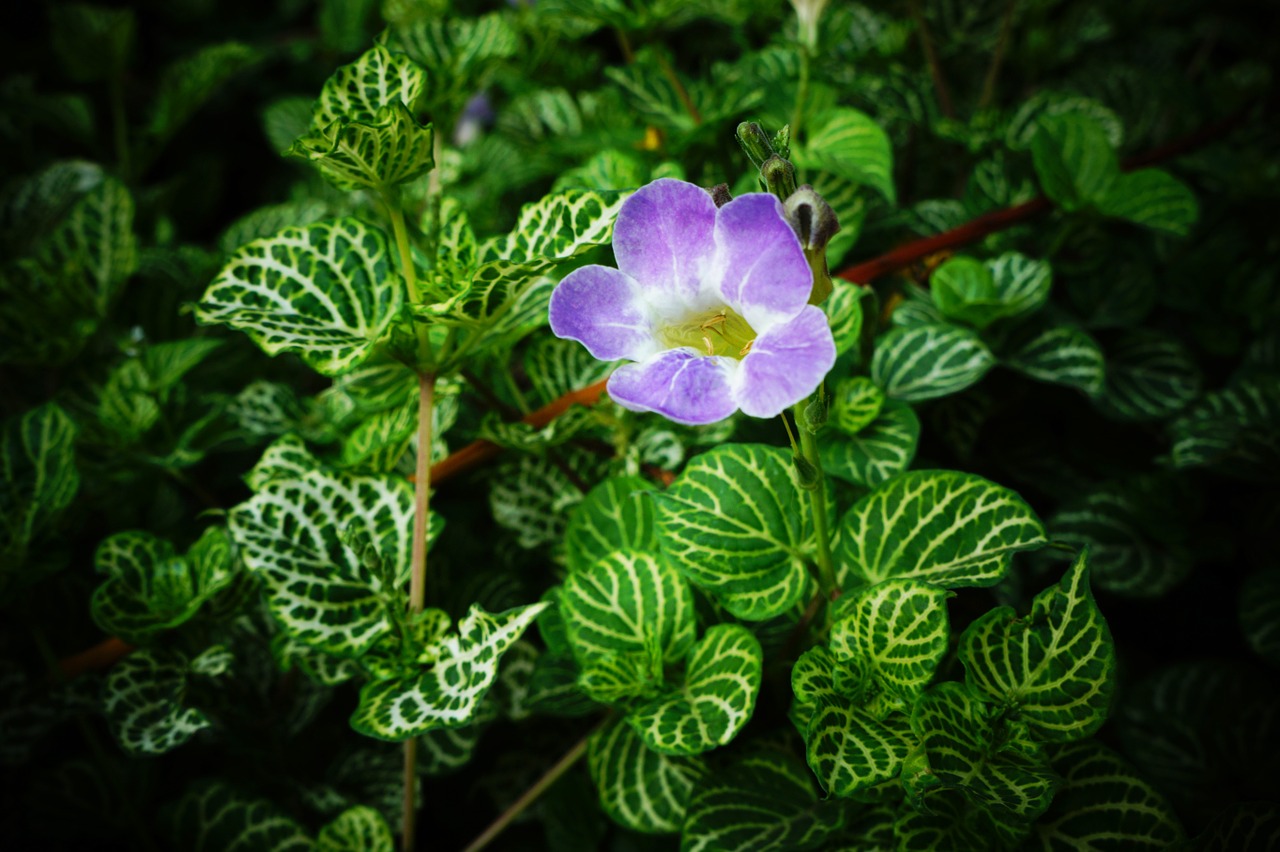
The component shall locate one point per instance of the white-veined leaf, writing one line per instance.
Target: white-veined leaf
(639, 788)
(1154, 199)
(849, 749)
(146, 696)
(880, 451)
(1063, 355)
(849, 144)
(928, 361)
(357, 829)
(1054, 669)
(327, 291)
(615, 515)
(215, 817)
(1149, 376)
(946, 528)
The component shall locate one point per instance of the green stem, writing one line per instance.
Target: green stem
(401, 231)
(997, 58)
(818, 503)
(418, 576)
(572, 756)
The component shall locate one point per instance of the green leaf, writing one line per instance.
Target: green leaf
(1259, 608)
(292, 534)
(763, 803)
(1154, 199)
(970, 749)
(93, 247)
(928, 361)
(896, 631)
(1054, 669)
(1234, 431)
(734, 524)
(363, 132)
(628, 602)
(849, 144)
(150, 588)
(1074, 160)
(327, 291)
(531, 496)
(146, 698)
(1103, 804)
(1149, 377)
(458, 53)
(91, 42)
(357, 829)
(946, 528)
(639, 788)
(1128, 555)
(1064, 355)
(954, 823)
(616, 514)
(882, 450)
(721, 681)
(1011, 285)
(556, 367)
(189, 83)
(847, 309)
(850, 750)
(854, 404)
(38, 481)
(448, 695)
(265, 409)
(1242, 827)
(215, 817)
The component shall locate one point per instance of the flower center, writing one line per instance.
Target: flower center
(717, 332)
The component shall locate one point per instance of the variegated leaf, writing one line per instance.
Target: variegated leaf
(38, 480)
(327, 291)
(927, 361)
(146, 693)
(639, 788)
(763, 803)
(855, 403)
(849, 143)
(946, 528)
(881, 450)
(1055, 669)
(722, 678)
(616, 515)
(1103, 804)
(969, 748)
(980, 293)
(357, 829)
(735, 524)
(897, 632)
(1063, 355)
(850, 750)
(1149, 376)
(215, 817)
(448, 694)
(628, 602)
(293, 535)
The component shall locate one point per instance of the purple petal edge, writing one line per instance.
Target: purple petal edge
(602, 309)
(679, 384)
(785, 364)
(665, 238)
(764, 274)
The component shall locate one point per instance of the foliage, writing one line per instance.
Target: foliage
(274, 290)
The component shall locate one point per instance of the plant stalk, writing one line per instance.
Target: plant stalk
(418, 577)
(818, 504)
(802, 92)
(997, 58)
(572, 756)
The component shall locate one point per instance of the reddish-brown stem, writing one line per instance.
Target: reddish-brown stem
(101, 656)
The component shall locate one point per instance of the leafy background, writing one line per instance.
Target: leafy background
(1113, 360)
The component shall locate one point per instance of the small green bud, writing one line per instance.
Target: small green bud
(782, 142)
(815, 413)
(779, 176)
(806, 473)
(754, 142)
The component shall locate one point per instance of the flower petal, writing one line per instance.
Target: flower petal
(679, 384)
(664, 238)
(764, 274)
(603, 309)
(785, 364)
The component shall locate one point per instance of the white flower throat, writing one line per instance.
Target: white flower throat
(722, 331)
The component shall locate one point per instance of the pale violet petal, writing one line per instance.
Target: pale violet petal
(761, 268)
(603, 309)
(679, 384)
(785, 364)
(664, 238)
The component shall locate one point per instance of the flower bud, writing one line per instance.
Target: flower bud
(779, 176)
(814, 222)
(754, 142)
(806, 473)
(815, 413)
(720, 194)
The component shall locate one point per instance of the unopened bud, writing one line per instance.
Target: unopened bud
(815, 413)
(754, 142)
(720, 194)
(779, 176)
(815, 223)
(806, 473)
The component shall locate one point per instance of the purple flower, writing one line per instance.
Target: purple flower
(711, 304)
